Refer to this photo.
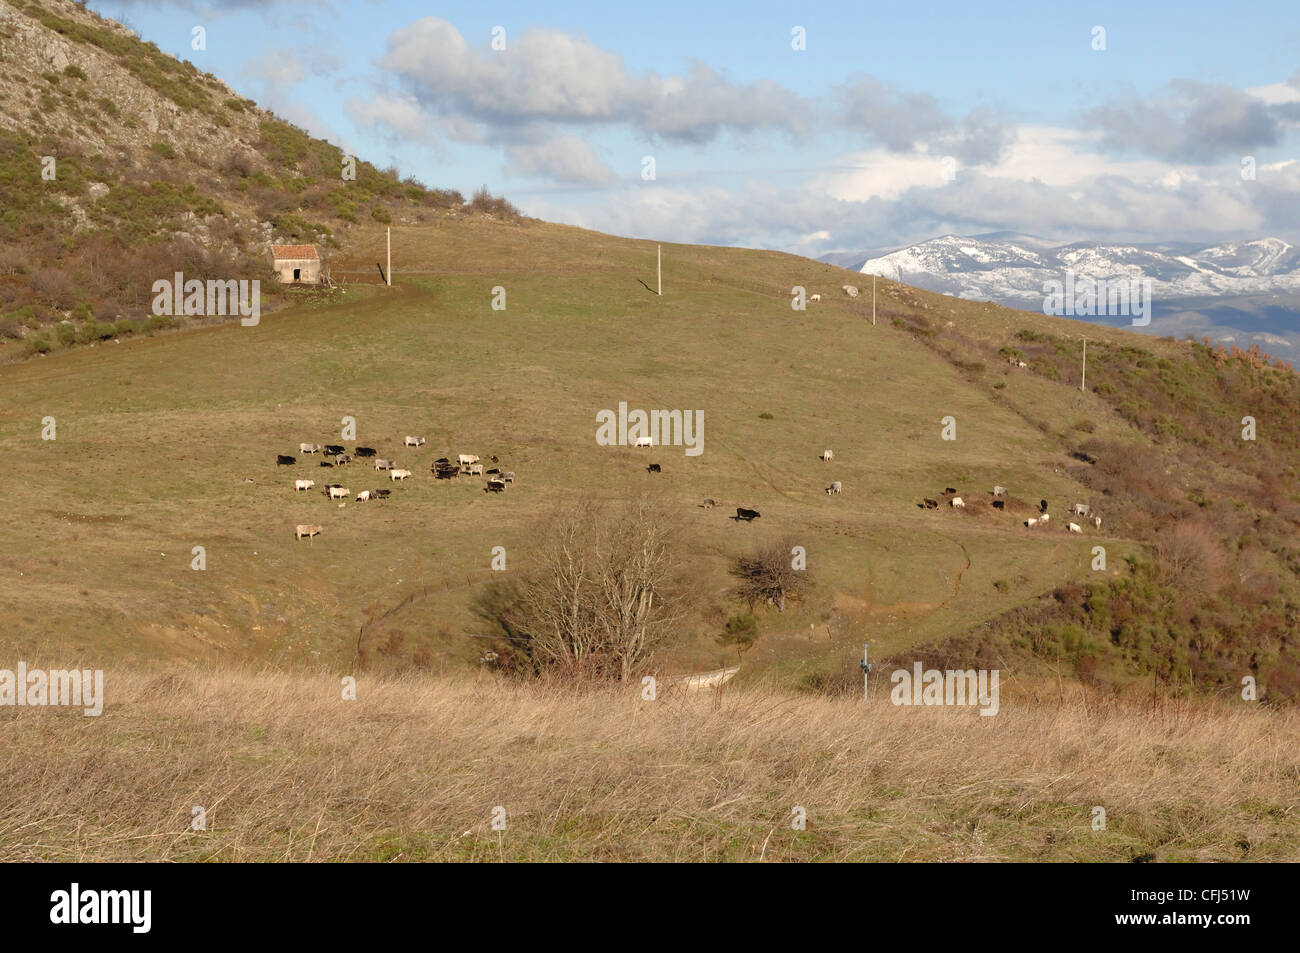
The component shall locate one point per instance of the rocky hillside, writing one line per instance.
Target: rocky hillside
(121, 164)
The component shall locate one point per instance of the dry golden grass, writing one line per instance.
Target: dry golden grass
(412, 770)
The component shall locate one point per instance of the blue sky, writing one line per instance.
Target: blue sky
(896, 123)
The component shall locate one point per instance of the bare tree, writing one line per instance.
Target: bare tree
(605, 596)
(769, 576)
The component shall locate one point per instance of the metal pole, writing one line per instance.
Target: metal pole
(659, 251)
(873, 301)
(388, 276)
(866, 671)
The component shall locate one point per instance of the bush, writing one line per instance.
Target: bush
(74, 71)
(39, 343)
(164, 149)
(381, 215)
(67, 334)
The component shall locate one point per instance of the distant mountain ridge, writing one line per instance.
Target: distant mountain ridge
(1232, 291)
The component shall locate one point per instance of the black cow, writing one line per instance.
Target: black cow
(495, 486)
(654, 468)
(747, 515)
(442, 460)
(365, 451)
(326, 463)
(333, 450)
(446, 473)
(949, 489)
(282, 460)
(930, 504)
(494, 470)
(999, 504)
(1042, 506)
(381, 493)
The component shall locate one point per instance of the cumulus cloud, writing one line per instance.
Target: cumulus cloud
(562, 159)
(1200, 122)
(547, 75)
(907, 122)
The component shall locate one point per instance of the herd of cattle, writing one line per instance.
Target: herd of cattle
(467, 464)
(999, 502)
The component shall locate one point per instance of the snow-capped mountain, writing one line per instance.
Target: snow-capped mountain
(1013, 268)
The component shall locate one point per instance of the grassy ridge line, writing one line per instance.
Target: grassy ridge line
(414, 767)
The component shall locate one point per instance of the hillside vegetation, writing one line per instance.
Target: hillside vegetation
(415, 768)
(120, 165)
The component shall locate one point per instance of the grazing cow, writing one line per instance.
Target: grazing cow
(396, 475)
(709, 503)
(999, 491)
(1042, 506)
(644, 442)
(300, 485)
(284, 461)
(1081, 509)
(365, 451)
(441, 460)
(363, 496)
(1074, 527)
(326, 463)
(384, 464)
(332, 450)
(494, 459)
(950, 490)
(747, 515)
(999, 504)
(849, 290)
(835, 487)
(495, 486)
(494, 471)
(1045, 518)
(342, 458)
(1096, 522)
(307, 531)
(654, 468)
(415, 441)
(828, 456)
(1021, 364)
(474, 469)
(508, 476)
(446, 473)
(338, 492)
(957, 503)
(308, 447)
(467, 458)
(815, 298)
(930, 504)
(1031, 522)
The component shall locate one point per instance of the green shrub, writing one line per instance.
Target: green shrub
(67, 334)
(765, 416)
(381, 215)
(124, 327)
(38, 343)
(74, 71)
(164, 149)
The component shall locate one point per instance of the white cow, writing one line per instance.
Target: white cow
(849, 290)
(475, 469)
(363, 495)
(835, 487)
(465, 459)
(1081, 509)
(1046, 517)
(957, 503)
(384, 464)
(308, 447)
(339, 492)
(303, 484)
(1074, 527)
(307, 530)
(1096, 522)
(828, 456)
(1031, 522)
(815, 298)
(999, 491)
(640, 442)
(415, 441)
(396, 475)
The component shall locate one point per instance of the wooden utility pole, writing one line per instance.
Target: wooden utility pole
(388, 277)
(866, 671)
(1083, 377)
(873, 305)
(659, 251)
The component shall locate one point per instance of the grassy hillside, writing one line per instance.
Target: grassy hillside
(414, 768)
(156, 436)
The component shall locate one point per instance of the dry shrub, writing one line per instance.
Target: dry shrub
(1190, 557)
